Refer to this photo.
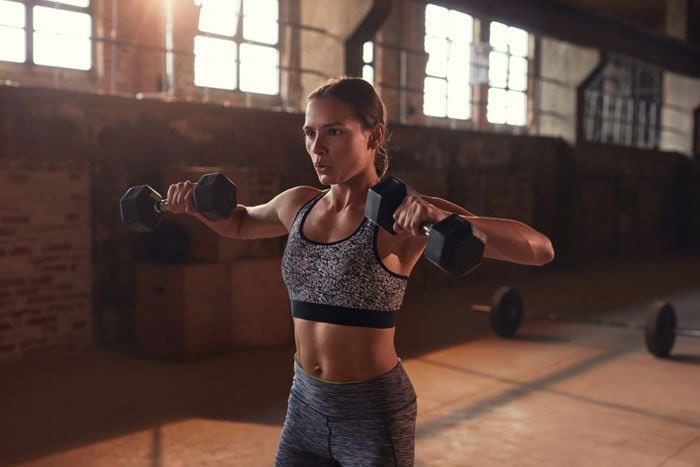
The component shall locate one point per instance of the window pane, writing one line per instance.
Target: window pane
(458, 63)
(13, 47)
(496, 108)
(517, 108)
(499, 36)
(517, 41)
(12, 14)
(368, 52)
(260, 21)
(435, 97)
(260, 69)
(435, 21)
(437, 56)
(66, 23)
(368, 74)
(83, 3)
(460, 27)
(214, 63)
(63, 51)
(498, 69)
(458, 95)
(517, 78)
(219, 16)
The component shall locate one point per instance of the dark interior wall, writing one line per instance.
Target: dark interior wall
(590, 201)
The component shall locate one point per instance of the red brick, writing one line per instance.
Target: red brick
(7, 232)
(25, 292)
(12, 282)
(14, 220)
(54, 268)
(42, 280)
(41, 299)
(20, 250)
(25, 311)
(79, 324)
(61, 307)
(42, 319)
(58, 246)
(5, 326)
(7, 348)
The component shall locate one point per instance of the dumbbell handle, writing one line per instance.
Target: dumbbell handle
(482, 308)
(161, 206)
(687, 332)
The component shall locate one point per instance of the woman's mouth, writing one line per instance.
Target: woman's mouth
(322, 169)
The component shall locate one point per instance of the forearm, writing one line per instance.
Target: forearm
(513, 241)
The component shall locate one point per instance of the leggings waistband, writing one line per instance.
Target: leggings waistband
(384, 394)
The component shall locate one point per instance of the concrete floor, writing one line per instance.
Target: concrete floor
(559, 394)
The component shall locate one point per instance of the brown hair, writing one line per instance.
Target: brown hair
(367, 106)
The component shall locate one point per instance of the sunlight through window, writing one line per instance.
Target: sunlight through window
(13, 47)
(368, 62)
(62, 38)
(229, 58)
(507, 96)
(446, 89)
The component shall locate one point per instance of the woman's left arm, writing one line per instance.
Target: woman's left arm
(507, 239)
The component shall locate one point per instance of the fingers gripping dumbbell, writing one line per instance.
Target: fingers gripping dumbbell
(454, 245)
(506, 313)
(143, 208)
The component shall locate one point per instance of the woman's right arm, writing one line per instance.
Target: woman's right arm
(272, 219)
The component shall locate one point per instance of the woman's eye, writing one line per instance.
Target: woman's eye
(309, 134)
(334, 131)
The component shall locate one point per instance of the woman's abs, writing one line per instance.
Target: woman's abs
(344, 353)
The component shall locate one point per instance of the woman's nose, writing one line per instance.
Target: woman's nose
(317, 146)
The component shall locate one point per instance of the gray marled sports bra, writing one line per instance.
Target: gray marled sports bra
(341, 282)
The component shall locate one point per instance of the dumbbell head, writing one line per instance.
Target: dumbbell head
(660, 329)
(382, 201)
(506, 311)
(138, 208)
(215, 196)
(455, 246)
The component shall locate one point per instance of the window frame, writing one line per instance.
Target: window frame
(237, 39)
(29, 33)
(530, 61)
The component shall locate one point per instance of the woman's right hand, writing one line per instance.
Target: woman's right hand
(180, 199)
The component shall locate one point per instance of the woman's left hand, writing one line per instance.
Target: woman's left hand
(413, 212)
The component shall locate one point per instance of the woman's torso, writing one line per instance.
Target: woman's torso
(336, 352)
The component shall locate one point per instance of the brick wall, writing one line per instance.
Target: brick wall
(45, 264)
(539, 180)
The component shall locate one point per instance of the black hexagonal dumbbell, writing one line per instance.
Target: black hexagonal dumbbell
(143, 208)
(454, 245)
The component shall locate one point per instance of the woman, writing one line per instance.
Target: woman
(351, 402)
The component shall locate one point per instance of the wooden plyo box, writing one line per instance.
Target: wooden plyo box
(260, 310)
(182, 311)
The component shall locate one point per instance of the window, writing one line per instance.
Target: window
(236, 47)
(507, 95)
(622, 104)
(368, 61)
(56, 33)
(448, 38)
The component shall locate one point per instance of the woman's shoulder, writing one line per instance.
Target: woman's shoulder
(290, 201)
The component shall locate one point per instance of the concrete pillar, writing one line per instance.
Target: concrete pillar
(563, 67)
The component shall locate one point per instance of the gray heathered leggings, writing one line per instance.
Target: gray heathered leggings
(363, 423)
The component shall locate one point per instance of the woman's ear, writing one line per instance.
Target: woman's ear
(376, 136)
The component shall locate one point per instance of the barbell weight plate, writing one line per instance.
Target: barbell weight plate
(507, 311)
(660, 329)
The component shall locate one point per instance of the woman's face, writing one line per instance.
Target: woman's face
(339, 147)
